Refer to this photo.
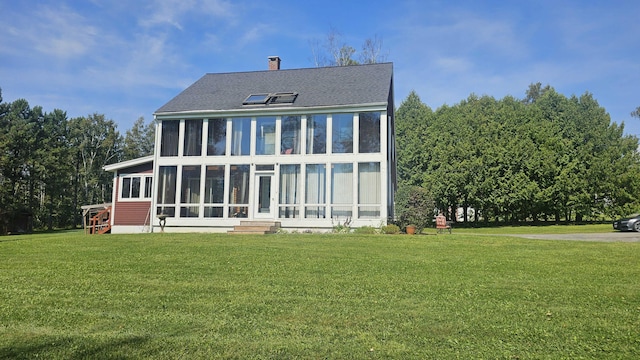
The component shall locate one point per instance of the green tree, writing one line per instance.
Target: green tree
(412, 124)
(96, 143)
(546, 156)
(139, 140)
(50, 165)
(16, 145)
(55, 164)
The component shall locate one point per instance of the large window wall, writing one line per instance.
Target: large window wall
(287, 131)
(324, 166)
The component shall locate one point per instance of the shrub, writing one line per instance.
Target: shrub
(344, 227)
(391, 229)
(366, 230)
(414, 206)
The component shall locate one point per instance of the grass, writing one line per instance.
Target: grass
(541, 229)
(167, 296)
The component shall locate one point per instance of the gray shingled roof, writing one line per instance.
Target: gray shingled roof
(326, 86)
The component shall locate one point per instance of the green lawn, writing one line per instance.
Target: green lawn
(541, 229)
(168, 296)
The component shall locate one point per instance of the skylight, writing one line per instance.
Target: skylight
(256, 99)
(283, 98)
(273, 98)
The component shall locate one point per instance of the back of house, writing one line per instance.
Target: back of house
(303, 148)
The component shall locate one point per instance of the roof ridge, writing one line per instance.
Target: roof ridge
(297, 69)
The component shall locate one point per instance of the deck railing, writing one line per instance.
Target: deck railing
(101, 222)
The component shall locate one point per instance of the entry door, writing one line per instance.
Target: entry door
(264, 201)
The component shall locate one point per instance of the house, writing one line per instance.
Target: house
(130, 209)
(306, 148)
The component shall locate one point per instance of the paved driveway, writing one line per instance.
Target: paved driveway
(604, 237)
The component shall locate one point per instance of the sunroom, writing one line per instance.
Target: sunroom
(269, 154)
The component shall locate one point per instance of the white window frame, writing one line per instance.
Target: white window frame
(143, 181)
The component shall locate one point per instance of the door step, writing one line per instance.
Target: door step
(255, 227)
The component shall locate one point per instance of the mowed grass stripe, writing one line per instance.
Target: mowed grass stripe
(70, 295)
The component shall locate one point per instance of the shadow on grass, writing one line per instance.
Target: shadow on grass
(49, 347)
(17, 237)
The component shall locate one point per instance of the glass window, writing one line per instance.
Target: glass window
(148, 186)
(192, 138)
(190, 193)
(342, 133)
(262, 167)
(135, 187)
(214, 185)
(256, 99)
(240, 136)
(217, 137)
(166, 190)
(289, 188)
(290, 135)
(316, 134)
(169, 138)
(213, 211)
(126, 188)
(131, 187)
(190, 185)
(341, 190)
(239, 191)
(283, 98)
(263, 189)
(369, 132)
(266, 136)
(315, 188)
(369, 190)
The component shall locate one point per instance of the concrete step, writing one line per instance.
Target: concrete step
(260, 223)
(255, 227)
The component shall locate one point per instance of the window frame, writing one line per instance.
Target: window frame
(141, 190)
(288, 97)
(256, 99)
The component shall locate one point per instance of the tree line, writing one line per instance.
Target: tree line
(546, 157)
(51, 165)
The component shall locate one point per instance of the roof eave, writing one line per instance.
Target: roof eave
(266, 110)
(128, 163)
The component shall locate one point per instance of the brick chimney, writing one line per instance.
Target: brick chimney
(274, 63)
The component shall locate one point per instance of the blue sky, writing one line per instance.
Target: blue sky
(125, 59)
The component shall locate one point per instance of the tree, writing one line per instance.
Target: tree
(534, 92)
(547, 156)
(97, 143)
(16, 144)
(139, 140)
(412, 124)
(50, 165)
(55, 166)
(372, 51)
(334, 51)
(634, 113)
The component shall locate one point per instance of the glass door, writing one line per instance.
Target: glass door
(264, 201)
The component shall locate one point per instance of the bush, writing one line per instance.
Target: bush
(366, 230)
(341, 228)
(414, 206)
(391, 229)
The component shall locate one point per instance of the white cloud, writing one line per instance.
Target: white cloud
(255, 33)
(59, 32)
(453, 64)
(174, 12)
